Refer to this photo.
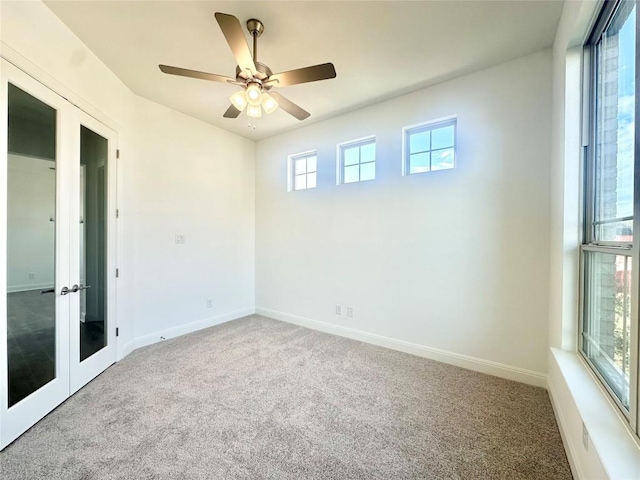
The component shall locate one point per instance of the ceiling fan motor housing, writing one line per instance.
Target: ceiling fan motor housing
(264, 72)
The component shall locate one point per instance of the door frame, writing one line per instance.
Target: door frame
(20, 417)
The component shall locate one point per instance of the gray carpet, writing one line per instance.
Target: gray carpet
(257, 398)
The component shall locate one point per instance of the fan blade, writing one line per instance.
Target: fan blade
(232, 112)
(290, 107)
(183, 72)
(232, 31)
(324, 71)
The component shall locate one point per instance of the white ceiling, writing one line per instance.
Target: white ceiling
(380, 49)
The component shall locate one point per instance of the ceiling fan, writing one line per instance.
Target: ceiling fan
(256, 79)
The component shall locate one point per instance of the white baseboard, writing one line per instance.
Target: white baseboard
(188, 328)
(29, 287)
(569, 447)
(489, 367)
(126, 349)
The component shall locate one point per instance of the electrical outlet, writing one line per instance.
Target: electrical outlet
(180, 239)
(338, 310)
(585, 437)
(209, 303)
(349, 311)
(32, 276)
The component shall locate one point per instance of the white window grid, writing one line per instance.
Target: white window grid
(303, 171)
(447, 150)
(365, 162)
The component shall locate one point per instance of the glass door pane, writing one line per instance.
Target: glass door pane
(94, 151)
(31, 233)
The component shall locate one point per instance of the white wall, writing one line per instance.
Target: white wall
(189, 178)
(454, 260)
(176, 175)
(31, 198)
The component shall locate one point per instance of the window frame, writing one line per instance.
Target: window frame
(589, 241)
(291, 170)
(427, 127)
(340, 166)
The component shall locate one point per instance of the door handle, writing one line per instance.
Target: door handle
(67, 290)
(50, 290)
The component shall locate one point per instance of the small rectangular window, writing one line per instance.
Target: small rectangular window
(303, 170)
(429, 146)
(357, 160)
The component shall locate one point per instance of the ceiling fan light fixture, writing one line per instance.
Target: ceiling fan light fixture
(254, 111)
(239, 100)
(254, 94)
(268, 103)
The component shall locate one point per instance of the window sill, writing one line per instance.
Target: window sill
(615, 446)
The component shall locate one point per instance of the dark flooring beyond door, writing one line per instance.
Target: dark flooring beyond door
(31, 342)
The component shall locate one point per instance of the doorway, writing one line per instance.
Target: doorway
(57, 319)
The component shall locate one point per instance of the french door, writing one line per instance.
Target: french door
(57, 247)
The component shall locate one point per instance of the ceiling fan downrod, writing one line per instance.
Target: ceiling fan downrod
(255, 27)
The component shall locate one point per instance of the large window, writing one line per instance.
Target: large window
(429, 147)
(609, 319)
(357, 160)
